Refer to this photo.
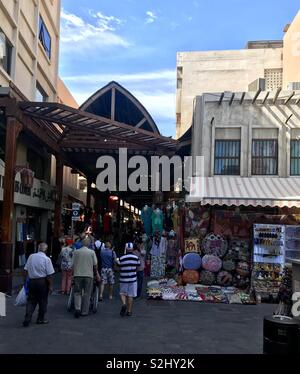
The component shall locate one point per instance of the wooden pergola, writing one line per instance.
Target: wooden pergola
(75, 137)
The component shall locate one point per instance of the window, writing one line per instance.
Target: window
(45, 37)
(264, 157)
(40, 94)
(179, 76)
(5, 53)
(295, 157)
(227, 157)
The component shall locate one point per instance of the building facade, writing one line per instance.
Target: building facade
(250, 143)
(29, 57)
(235, 70)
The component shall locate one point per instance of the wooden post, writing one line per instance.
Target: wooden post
(88, 194)
(13, 128)
(57, 209)
(58, 201)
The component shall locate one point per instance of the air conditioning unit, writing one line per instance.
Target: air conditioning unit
(294, 86)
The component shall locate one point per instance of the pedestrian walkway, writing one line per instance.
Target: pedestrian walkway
(155, 327)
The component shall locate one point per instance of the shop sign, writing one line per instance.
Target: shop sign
(75, 212)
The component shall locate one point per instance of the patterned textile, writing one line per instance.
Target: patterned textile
(158, 266)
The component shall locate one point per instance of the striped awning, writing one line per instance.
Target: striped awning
(254, 191)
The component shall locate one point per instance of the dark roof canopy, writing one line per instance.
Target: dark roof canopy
(114, 102)
(111, 119)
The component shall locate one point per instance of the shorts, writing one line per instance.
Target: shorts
(128, 289)
(107, 276)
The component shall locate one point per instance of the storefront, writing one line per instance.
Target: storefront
(230, 254)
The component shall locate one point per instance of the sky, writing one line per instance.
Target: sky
(134, 42)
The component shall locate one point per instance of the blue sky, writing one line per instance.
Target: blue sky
(134, 42)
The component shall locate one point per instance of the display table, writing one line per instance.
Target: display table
(296, 277)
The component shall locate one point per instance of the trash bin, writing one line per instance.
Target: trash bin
(281, 335)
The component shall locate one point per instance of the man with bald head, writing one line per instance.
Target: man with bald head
(39, 270)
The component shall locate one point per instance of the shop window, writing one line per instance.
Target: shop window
(44, 37)
(5, 53)
(295, 157)
(227, 157)
(264, 157)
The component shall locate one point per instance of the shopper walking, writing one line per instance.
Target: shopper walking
(84, 270)
(140, 252)
(39, 270)
(128, 279)
(108, 259)
(65, 258)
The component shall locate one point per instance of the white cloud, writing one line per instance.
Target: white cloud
(151, 17)
(159, 104)
(78, 35)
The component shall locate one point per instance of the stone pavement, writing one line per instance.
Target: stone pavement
(156, 327)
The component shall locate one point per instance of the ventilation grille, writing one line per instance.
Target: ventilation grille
(273, 79)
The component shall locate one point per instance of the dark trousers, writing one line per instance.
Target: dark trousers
(140, 279)
(38, 294)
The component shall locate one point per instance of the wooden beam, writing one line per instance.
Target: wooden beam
(58, 201)
(286, 122)
(231, 99)
(289, 98)
(221, 98)
(266, 97)
(99, 120)
(277, 94)
(256, 95)
(297, 101)
(13, 129)
(113, 103)
(140, 124)
(242, 98)
(39, 133)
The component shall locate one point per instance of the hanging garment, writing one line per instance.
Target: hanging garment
(168, 218)
(146, 218)
(157, 221)
(163, 246)
(158, 266)
(175, 218)
(172, 253)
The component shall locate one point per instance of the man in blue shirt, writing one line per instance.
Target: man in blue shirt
(108, 258)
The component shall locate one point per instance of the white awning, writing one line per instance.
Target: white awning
(255, 191)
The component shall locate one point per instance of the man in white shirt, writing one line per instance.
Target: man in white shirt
(39, 270)
(84, 269)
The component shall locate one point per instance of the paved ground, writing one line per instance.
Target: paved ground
(156, 327)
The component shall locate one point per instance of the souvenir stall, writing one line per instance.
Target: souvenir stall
(268, 260)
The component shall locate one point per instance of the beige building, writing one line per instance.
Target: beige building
(235, 70)
(29, 54)
(30, 46)
(250, 146)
